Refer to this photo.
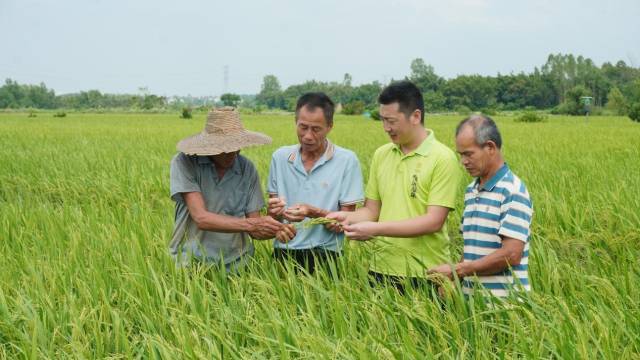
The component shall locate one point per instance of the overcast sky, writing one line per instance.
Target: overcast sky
(182, 47)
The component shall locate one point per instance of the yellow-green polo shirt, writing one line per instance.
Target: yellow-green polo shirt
(406, 185)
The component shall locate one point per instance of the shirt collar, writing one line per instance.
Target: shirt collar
(328, 152)
(423, 148)
(489, 185)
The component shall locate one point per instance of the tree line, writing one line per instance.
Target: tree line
(21, 96)
(558, 85)
(561, 84)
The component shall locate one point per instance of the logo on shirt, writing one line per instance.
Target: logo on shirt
(414, 185)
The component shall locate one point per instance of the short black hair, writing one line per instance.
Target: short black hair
(406, 94)
(484, 129)
(314, 100)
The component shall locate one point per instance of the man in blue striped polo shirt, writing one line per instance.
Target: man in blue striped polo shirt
(497, 215)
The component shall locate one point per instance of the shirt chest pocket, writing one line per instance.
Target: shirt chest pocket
(418, 186)
(234, 201)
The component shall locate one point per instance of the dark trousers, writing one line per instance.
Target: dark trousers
(308, 259)
(400, 282)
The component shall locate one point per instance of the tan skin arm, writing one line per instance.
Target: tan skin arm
(277, 209)
(428, 223)
(369, 212)
(259, 227)
(510, 254)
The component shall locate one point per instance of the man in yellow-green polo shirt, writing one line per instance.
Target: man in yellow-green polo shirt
(413, 184)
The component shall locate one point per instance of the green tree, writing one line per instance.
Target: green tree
(620, 75)
(14, 95)
(271, 93)
(632, 90)
(353, 108)
(153, 102)
(616, 102)
(424, 76)
(230, 99)
(10, 94)
(634, 113)
(473, 91)
(572, 104)
(511, 90)
(367, 93)
(434, 101)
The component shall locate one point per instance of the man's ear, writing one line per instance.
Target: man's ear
(415, 117)
(329, 126)
(491, 146)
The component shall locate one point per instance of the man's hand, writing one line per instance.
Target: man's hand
(443, 270)
(287, 233)
(297, 212)
(442, 274)
(334, 227)
(276, 207)
(264, 227)
(340, 216)
(361, 231)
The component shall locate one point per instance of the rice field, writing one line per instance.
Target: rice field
(85, 218)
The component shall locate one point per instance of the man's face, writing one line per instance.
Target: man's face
(475, 158)
(225, 160)
(397, 125)
(312, 129)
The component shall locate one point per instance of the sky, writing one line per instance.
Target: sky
(182, 47)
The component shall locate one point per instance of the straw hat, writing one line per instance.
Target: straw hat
(223, 133)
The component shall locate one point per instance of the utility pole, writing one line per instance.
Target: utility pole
(225, 88)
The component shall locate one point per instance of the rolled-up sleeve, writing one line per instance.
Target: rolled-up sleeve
(182, 177)
(255, 200)
(352, 190)
(272, 181)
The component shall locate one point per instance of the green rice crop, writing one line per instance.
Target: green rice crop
(317, 221)
(85, 218)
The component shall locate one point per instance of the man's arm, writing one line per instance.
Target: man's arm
(298, 212)
(510, 254)
(369, 212)
(428, 223)
(262, 233)
(206, 220)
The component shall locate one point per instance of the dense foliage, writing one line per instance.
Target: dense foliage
(558, 84)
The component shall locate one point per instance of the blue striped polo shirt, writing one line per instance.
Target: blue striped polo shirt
(500, 208)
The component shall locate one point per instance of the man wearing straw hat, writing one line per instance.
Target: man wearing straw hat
(309, 180)
(217, 194)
